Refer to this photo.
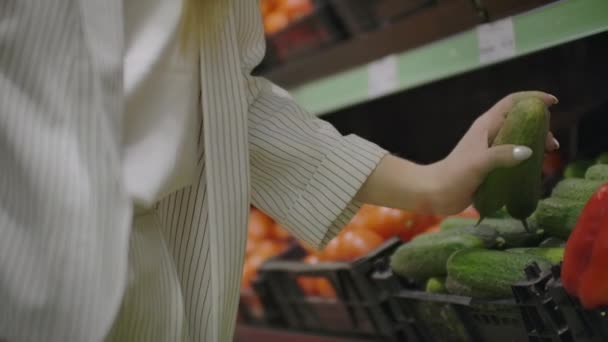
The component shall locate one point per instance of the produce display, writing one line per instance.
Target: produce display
(427, 258)
(518, 188)
(367, 230)
(265, 239)
(558, 214)
(481, 255)
(484, 273)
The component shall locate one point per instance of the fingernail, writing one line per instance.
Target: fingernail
(556, 144)
(555, 100)
(522, 152)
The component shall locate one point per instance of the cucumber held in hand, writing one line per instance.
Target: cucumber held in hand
(519, 187)
(488, 274)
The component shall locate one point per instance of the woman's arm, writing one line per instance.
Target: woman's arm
(312, 179)
(447, 187)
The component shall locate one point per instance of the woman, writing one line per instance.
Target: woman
(123, 208)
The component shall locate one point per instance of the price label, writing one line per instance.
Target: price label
(496, 41)
(383, 77)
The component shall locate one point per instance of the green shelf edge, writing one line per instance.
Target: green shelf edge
(539, 29)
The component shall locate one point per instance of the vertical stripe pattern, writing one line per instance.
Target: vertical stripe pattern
(64, 217)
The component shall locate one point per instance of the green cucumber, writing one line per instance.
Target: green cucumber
(557, 216)
(602, 158)
(456, 222)
(488, 274)
(435, 285)
(514, 233)
(553, 254)
(422, 260)
(518, 188)
(597, 172)
(577, 169)
(511, 231)
(576, 189)
(488, 236)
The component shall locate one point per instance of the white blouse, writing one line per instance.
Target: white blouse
(75, 263)
(162, 116)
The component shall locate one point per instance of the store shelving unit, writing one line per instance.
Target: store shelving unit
(548, 26)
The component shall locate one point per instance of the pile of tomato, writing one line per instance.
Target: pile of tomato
(368, 229)
(278, 14)
(265, 239)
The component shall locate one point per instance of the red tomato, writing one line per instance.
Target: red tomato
(552, 163)
(251, 246)
(418, 224)
(362, 217)
(260, 225)
(267, 249)
(296, 8)
(388, 222)
(276, 21)
(324, 288)
(333, 250)
(358, 242)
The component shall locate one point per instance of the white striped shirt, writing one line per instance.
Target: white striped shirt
(74, 264)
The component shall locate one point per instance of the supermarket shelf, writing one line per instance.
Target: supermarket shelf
(539, 29)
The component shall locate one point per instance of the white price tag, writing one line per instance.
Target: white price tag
(383, 76)
(496, 41)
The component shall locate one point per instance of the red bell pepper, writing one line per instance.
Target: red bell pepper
(585, 266)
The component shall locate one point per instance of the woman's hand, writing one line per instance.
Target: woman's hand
(448, 186)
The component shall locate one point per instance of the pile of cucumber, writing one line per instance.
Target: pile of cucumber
(478, 261)
(557, 214)
(483, 260)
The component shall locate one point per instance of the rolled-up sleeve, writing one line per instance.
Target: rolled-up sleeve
(303, 171)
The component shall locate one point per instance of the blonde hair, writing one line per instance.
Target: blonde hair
(200, 18)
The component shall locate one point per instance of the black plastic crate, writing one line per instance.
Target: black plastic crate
(582, 325)
(308, 34)
(250, 308)
(528, 316)
(360, 16)
(360, 309)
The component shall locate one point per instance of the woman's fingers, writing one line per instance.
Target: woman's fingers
(505, 156)
(551, 144)
(494, 118)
